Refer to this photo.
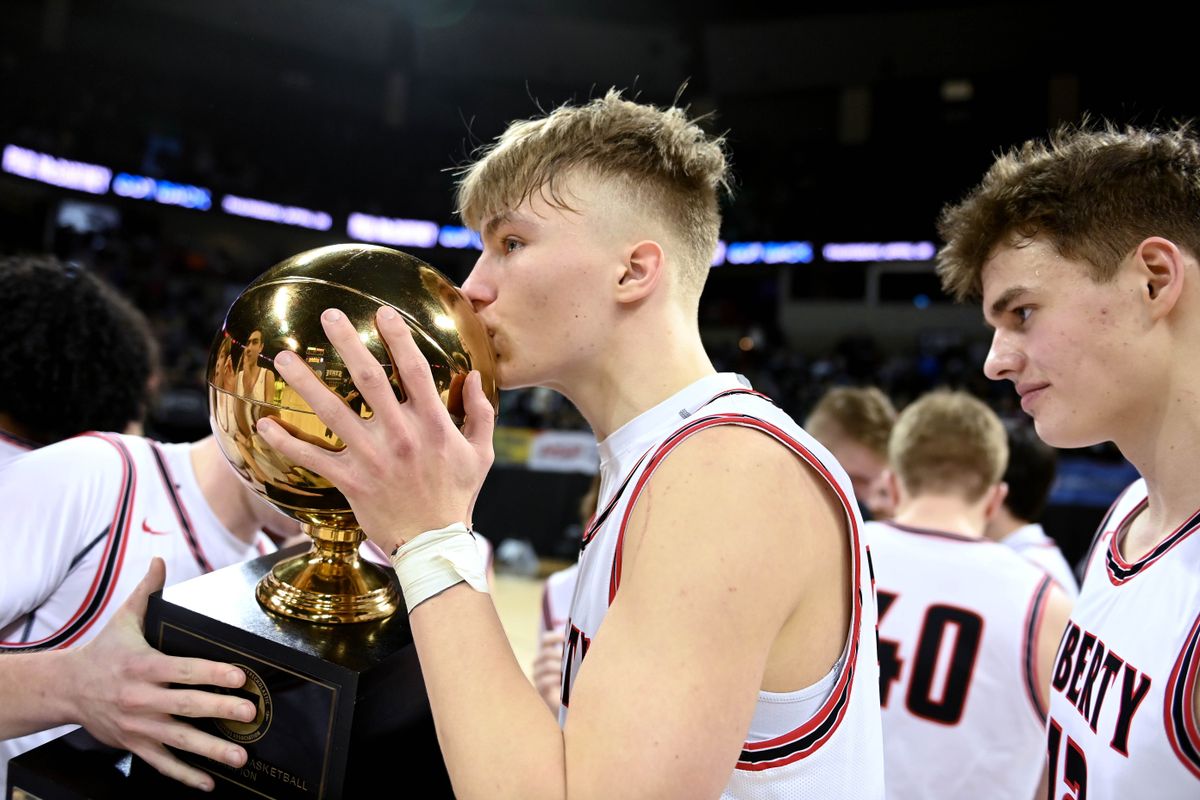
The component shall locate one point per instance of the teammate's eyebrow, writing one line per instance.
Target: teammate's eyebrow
(1002, 302)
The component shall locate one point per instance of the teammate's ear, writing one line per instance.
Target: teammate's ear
(641, 271)
(995, 499)
(895, 491)
(1161, 264)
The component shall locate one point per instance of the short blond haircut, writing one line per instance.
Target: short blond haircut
(1093, 194)
(948, 443)
(863, 415)
(662, 161)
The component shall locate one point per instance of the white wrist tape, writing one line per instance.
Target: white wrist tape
(434, 561)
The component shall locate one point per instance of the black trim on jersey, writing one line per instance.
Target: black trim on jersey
(1179, 703)
(1120, 573)
(1031, 645)
(954, 537)
(1082, 568)
(177, 503)
(599, 519)
(87, 549)
(810, 739)
(108, 570)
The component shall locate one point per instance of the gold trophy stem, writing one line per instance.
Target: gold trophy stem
(329, 583)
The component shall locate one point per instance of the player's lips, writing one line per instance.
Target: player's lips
(1029, 393)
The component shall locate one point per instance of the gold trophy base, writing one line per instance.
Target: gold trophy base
(329, 584)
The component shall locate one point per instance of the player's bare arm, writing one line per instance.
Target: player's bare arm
(735, 578)
(1049, 635)
(673, 652)
(116, 686)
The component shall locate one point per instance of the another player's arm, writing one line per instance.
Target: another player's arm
(115, 686)
(1049, 634)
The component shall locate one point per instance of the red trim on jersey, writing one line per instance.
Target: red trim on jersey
(826, 720)
(104, 582)
(1033, 626)
(121, 537)
(1179, 709)
(1164, 546)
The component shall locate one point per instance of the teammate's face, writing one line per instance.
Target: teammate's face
(540, 286)
(1073, 348)
(865, 470)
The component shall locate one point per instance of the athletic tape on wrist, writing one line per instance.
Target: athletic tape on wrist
(434, 561)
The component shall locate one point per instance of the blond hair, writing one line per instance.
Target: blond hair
(948, 442)
(861, 414)
(1093, 194)
(662, 161)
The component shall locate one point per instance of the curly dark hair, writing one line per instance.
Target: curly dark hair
(75, 355)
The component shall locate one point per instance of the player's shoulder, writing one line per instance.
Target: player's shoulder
(88, 452)
(744, 444)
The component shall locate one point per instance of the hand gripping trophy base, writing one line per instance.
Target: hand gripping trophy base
(329, 584)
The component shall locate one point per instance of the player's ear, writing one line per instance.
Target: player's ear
(1161, 265)
(641, 271)
(995, 499)
(895, 491)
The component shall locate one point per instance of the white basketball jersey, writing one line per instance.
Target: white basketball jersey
(823, 741)
(1121, 713)
(80, 521)
(557, 593)
(958, 625)
(1032, 544)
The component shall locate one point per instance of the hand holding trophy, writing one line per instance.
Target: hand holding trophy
(281, 311)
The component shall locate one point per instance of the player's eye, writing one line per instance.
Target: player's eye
(510, 244)
(1022, 313)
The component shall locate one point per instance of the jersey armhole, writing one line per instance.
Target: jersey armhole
(1033, 628)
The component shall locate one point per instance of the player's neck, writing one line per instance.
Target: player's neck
(942, 513)
(1163, 450)
(223, 490)
(638, 371)
(1001, 526)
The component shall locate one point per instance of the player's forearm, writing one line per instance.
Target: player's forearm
(34, 692)
(497, 736)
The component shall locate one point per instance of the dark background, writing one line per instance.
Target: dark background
(847, 122)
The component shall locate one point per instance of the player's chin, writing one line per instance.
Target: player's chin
(1064, 436)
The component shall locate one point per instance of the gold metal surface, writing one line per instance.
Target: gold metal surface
(281, 310)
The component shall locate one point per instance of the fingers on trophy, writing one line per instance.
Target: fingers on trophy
(280, 311)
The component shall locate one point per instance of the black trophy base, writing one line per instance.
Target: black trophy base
(336, 702)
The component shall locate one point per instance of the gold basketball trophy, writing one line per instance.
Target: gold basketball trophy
(281, 310)
(332, 670)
